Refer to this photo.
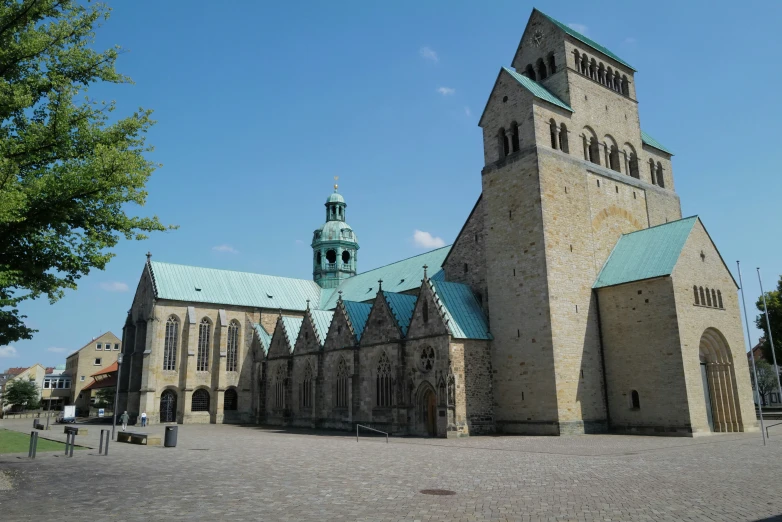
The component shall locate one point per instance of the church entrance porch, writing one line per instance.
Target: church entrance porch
(425, 411)
(719, 383)
(168, 406)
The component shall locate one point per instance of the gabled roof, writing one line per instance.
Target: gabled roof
(644, 254)
(648, 140)
(358, 313)
(264, 337)
(537, 89)
(113, 367)
(209, 285)
(291, 327)
(461, 310)
(397, 277)
(402, 306)
(583, 39)
(321, 319)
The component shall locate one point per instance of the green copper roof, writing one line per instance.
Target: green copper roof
(335, 197)
(208, 285)
(462, 311)
(648, 140)
(292, 325)
(537, 89)
(588, 41)
(322, 320)
(397, 277)
(358, 313)
(402, 306)
(264, 337)
(645, 254)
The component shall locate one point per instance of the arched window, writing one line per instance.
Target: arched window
(703, 297)
(585, 65)
(594, 151)
(233, 346)
(542, 74)
(503, 143)
(200, 401)
(634, 171)
(610, 78)
(714, 298)
(342, 384)
(613, 158)
(636, 400)
(530, 72)
(708, 297)
(695, 292)
(552, 64)
(625, 85)
(577, 61)
(384, 381)
(170, 343)
(593, 69)
(554, 134)
(514, 136)
(204, 336)
(660, 180)
(601, 73)
(230, 400)
(279, 387)
(653, 173)
(305, 392)
(617, 82)
(719, 298)
(563, 143)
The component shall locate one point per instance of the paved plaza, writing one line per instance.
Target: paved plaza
(224, 472)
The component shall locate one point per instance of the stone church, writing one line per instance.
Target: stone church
(575, 299)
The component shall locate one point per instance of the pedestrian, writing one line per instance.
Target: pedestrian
(124, 420)
(143, 419)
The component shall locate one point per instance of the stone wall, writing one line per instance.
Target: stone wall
(466, 262)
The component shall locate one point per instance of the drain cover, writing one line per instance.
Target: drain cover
(438, 492)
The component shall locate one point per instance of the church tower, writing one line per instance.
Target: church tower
(334, 246)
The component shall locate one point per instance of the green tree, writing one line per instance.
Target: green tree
(767, 381)
(774, 302)
(68, 176)
(104, 397)
(21, 392)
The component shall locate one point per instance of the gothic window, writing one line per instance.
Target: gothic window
(200, 401)
(514, 136)
(342, 384)
(305, 392)
(204, 336)
(279, 387)
(542, 74)
(426, 362)
(719, 298)
(634, 166)
(384, 381)
(552, 64)
(714, 298)
(170, 343)
(230, 400)
(708, 297)
(530, 72)
(563, 143)
(594, 151)
(695, 293)
(660, 180)
(703, 297)
(554, 134)
(652, 169)
(233, 346)
(636, 400)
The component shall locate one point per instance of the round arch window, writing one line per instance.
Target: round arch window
(331, 256)
(345, 256)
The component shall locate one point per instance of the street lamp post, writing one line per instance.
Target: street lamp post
(116, 395)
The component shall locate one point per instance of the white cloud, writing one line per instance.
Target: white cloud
(446, 91)
(114, 286)
(427, 53)
(55, 349)
(299, 242)
(427, 240)
(581, 28)
(630, 41)
(8, 351)
(467, 111)
(225, 248)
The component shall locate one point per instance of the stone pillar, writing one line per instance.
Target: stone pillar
(150, 365)
(733, 425)
(586, 146)
(218, 370)
(718, 416)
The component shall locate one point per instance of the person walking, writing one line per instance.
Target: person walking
(124, 420)
(143, 419)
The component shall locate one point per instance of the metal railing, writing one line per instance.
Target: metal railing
(370, 429)
(771, 426)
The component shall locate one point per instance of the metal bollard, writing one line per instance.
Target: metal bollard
(30, 452)
(35, 444)
(73, 440)
(100, 447)
(108, 438)
(67, 441)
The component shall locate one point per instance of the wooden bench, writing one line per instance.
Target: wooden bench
(73, 429)
(145, 439)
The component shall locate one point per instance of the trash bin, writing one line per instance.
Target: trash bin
(170, 438)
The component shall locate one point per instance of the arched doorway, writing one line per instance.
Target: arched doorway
(719, 383)
(429, 411)
(168, 406)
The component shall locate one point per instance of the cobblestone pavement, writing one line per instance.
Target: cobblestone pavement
(221, 472)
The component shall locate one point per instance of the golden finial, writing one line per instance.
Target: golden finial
(335, 183)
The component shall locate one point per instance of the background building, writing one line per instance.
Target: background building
(56, 389)
(98, 354)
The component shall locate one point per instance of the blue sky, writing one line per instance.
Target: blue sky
(260, 104)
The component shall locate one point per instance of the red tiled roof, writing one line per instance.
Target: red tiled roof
(108, 382)
(108, 369)
(15, 371)
(49, 370)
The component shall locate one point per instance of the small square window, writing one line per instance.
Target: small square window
(82, 378)
(67, 385)
(97, 361)
(46, 384)
(99, 346)
(116, 346)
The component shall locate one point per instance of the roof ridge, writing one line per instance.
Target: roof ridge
(405, 259)
(554, 99)
(694, 216)
(234, 271)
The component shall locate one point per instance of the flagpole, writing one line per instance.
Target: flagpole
(770, 338)
(752, 356)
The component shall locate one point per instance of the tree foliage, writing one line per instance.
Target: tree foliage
(21, 392)
(767, 381)
(774, 303)
(104, 397)
(67, 173)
